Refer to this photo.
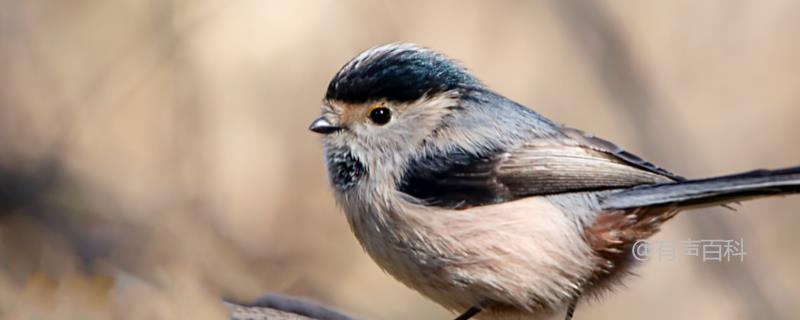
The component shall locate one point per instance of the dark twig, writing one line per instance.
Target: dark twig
(571, 309)
(471, 312)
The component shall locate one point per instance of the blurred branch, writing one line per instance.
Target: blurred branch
(25, 187)
(277, 307)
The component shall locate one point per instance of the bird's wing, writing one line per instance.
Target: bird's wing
(540, 167)
(599, 144)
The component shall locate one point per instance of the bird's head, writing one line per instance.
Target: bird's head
(397, 102)
(382, 105)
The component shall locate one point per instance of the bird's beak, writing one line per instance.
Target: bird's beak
(323, 126)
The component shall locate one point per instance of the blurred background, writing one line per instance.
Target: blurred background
(154, 156)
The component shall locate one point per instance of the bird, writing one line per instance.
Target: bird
(482, 204)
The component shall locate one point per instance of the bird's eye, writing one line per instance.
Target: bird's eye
(380, 115)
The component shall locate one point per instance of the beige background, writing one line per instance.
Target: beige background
(163, 159)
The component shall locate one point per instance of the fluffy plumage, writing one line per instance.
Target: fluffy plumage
(477, 201)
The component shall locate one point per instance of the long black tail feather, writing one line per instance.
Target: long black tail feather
(708, 192)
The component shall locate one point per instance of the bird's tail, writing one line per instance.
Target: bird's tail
(708, 192)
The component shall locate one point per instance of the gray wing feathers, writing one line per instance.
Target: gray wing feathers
(597, 143)
(548, 169)
(460, 179)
